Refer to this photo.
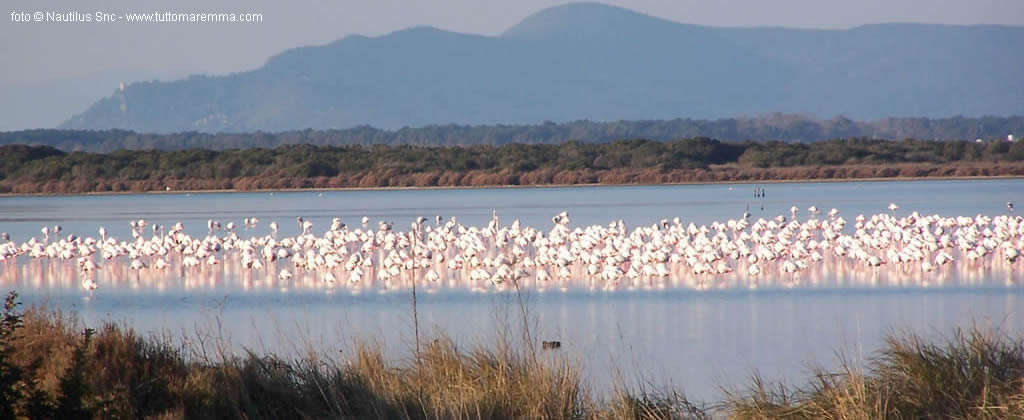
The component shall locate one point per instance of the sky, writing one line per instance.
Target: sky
(54, 69)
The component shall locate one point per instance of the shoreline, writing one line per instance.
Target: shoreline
(514, 186)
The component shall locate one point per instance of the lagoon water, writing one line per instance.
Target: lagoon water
(697, 340)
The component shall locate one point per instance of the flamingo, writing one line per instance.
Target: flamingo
(89, 284)
(597, 255)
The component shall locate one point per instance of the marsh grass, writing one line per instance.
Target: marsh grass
(53, 367)
(113, 373)
(647, 403)
(972, 374)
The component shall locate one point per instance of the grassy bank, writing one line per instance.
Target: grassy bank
(51, 367)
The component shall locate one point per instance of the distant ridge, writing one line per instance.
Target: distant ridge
(789, 128)
(587, 19)
(591, 61)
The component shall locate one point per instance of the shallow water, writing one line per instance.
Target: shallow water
(696, 334)
(22, 217)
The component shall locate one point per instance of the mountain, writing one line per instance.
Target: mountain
(47, 103)
(591, 61)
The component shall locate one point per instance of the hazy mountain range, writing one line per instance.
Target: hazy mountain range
(597, 62)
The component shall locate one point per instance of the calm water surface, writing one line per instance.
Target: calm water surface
(695, 339)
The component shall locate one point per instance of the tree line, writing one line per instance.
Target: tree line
(790, 128)
(623, 161)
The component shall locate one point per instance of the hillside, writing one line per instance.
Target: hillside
(591, 61)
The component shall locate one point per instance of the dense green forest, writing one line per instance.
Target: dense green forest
(623, 161)
(790, 128)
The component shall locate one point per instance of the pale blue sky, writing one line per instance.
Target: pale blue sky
(77, 61)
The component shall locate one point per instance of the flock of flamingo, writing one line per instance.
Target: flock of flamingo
(914, 248)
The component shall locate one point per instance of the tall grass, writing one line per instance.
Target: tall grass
(973, 374)
(53, 367)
